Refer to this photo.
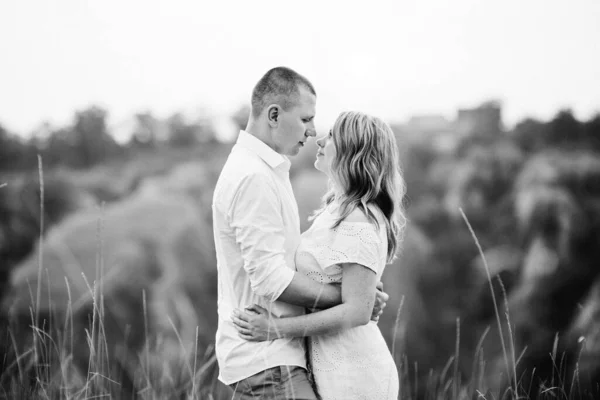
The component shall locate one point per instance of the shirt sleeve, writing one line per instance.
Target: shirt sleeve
(256, 218)
(352, 243)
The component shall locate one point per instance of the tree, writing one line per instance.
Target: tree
(529, 134)
(146, 133)
(240, 117)
(591, 131)
(93, 143)
(60, 148)
(181, 134)
(565, 130)
(13, 151)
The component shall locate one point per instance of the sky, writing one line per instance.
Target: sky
(394, 59)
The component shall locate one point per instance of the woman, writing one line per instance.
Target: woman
(355, 233)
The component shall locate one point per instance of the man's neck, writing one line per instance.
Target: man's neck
(259, 133)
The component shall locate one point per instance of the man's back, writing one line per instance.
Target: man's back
(256, 231)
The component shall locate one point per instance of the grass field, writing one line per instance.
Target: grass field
(44, 362)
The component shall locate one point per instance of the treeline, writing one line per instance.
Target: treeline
(89, 141)
(563, 131)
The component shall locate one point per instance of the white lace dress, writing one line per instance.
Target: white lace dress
(355, 363)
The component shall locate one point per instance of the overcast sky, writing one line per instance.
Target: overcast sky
(390, 58)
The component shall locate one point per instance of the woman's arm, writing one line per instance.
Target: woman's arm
(306, 292)
(358, 287)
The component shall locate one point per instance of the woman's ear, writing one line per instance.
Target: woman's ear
(273, 114)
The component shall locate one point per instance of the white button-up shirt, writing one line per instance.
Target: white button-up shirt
(257, 230)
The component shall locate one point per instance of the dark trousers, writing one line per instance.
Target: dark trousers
(283, 382)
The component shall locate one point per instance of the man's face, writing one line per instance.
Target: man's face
(295, 125)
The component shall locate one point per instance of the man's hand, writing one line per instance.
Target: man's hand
(380, 302)
(254, 324)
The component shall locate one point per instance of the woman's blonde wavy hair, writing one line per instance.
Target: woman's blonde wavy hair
(366, 170)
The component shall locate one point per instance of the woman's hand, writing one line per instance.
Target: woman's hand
(255, 324)
(381, 298)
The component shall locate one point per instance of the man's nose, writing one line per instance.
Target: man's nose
(311, 132)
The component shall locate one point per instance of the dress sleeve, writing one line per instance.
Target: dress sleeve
(352, 242)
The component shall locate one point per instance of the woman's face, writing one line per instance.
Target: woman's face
(325, 154)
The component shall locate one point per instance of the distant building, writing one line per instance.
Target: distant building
(433, 129)
(428, 123)
(485, 120)
(444, 134)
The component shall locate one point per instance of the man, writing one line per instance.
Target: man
(257, 230)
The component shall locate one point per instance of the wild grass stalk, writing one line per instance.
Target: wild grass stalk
(456, 376)
(477, 373)
(40, 256)
(192, 395)
(496, 309)
(397, 325)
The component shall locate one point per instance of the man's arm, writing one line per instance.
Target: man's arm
(358, 284)
(256, 218)
(255, 215)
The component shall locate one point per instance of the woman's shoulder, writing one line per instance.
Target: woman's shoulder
(357, 216)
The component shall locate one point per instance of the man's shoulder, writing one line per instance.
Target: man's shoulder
(243, 165)
(246, 162)
(247, 179)
(243, 170)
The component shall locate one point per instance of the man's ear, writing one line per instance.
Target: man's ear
(273, 114)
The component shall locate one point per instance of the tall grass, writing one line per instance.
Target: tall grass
(480, 383)
(44, 360)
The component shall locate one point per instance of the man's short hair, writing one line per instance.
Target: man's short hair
(280, 85)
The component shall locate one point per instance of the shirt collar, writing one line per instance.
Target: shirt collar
(258, 147)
